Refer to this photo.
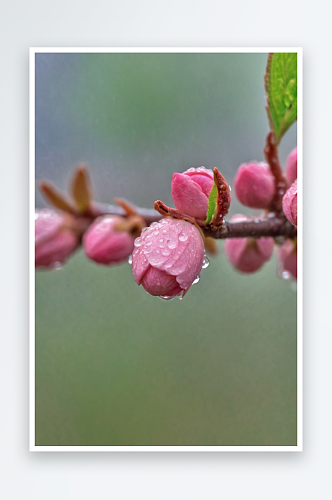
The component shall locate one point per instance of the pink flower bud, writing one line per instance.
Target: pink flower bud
(55, 238)
(287, 259)
(106, 244)
(289, 204)
(254, 185)
(168, 258)
(191, 191)
(291, 166)
(248, 254)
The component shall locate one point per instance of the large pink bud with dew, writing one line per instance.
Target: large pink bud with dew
(291, 166)
(191, 191)
(287, 259)
(168, 258)
(248, 254)
(55, 238)
(289, 203)
(106, 244)
(254, 185)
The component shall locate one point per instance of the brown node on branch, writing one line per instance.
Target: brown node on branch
(128, 207)
(132, 224)
(223, 197)
(81, 188)
(55, 197)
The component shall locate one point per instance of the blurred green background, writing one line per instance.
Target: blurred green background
(115, 366)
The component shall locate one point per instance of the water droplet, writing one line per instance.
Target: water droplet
(171, 244)
(285, 275)
(191, 169)
(144, 229)
(165, 252)
(180, 295)
(130, 259)
(183, 237)
(154, 224)
(57, 266)
(196, 280)
(229, 187)
(271, 215)
(161, 240)
(168, 265)
(148, 243)
(138, 242)
(166, 297)
(164, 231)
(206, 263)
(155, 233)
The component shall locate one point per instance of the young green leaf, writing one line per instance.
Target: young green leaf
(212, 204)
(281, 88)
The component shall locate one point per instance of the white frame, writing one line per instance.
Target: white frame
(33, 51)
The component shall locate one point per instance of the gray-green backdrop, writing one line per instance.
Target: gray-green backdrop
(115, 366)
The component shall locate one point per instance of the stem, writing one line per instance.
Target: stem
(273, 225)
(271, 155)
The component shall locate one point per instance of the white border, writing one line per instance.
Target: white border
(33, 51)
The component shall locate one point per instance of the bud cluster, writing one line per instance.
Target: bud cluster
(167, 256)
(256, 187)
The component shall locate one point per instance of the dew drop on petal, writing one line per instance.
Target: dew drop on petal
(154, 224)
(171, 244)
(196, 280)
(165, 252)
(166, 297)
(183, 237)
(138, 242)
(144, 229)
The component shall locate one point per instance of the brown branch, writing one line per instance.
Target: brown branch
(273, 225)
(271, 155)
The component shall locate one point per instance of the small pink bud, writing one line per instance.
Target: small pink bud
(248, 254)
(287, 258)
(191, 191)
(254, 185)
(291, 166)
(55, 238)
(168, 257)
(105, 244)
(289, 203)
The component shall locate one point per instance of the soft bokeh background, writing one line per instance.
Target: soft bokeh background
(115, 366)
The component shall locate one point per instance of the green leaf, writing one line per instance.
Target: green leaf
(212, 204)
(281, 89)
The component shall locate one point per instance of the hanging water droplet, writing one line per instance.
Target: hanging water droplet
(130, 259)
(196, 280)
(206, 263)
(57, 266)
(166, 297)
(138, 242)
(181, 295)
(285, 275)
(229, 187)
(183, 237)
